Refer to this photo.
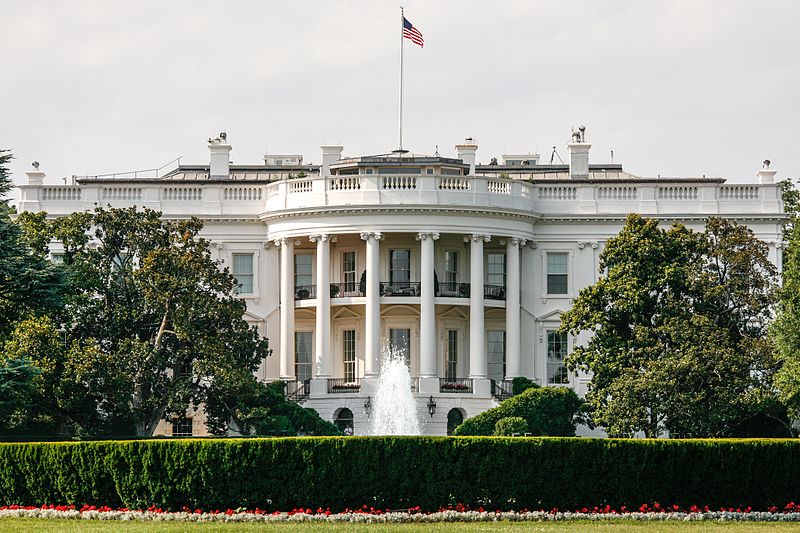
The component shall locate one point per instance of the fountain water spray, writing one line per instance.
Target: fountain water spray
(394, 411)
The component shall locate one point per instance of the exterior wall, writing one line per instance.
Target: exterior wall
(572, 216)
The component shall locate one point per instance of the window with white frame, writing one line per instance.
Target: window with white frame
(557, 282)
(451, 369)
(302, 355)
(57, 258)
(451, 270)
(556, 354)
(399, 268)
(349, 352)
(496, 269)
(182, 427)
(303, 270)
(243, 272)
(349, 272)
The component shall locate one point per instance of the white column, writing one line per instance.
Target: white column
(477, 328)
(372, 329)
(513, 361)
(323, 330)
(427, 309)
(287, 308)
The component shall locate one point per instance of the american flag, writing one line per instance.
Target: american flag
(410, 32)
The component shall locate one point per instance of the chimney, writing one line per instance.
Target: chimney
(331, 153)
(765, 175)
(579, 155)
(220, 157)
(35, 176)
(466, 153)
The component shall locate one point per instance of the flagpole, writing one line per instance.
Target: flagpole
(402, 19)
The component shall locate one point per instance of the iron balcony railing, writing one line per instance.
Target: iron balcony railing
(305, 292)
(400, 288)
(346, 289)
(494, 292)
(343, 385)
(454, 290)
(455, 385)
(502, 389)
(297, 391)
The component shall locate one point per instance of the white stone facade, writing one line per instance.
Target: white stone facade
(468, 266)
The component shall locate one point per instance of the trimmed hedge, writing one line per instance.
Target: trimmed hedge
(548, 411)
(402, 472)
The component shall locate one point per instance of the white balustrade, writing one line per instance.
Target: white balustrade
(617, 193)
(738, 192)
(399, 182)
(121, 193)
(558, 192)
(61, 194)
(300, 186)
(677, 192)
(498, 187)
(243, 194)
(454, 183)
(182, 194)
(344, 183)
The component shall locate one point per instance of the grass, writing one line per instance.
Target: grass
(14, 525)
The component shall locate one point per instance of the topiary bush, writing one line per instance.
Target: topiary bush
(510, 426)
(547, 411)
(521, 384)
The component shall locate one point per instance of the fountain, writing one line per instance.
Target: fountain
(394, 411)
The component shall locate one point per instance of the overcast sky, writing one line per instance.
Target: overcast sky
(676, 88)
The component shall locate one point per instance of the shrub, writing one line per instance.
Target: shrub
(348, 472)
(510, 426)
(521, 384)
(547, 411)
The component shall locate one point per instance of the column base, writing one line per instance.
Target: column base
(319, 387)
(428, 385)
(482, 386)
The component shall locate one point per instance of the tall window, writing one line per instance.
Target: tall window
(400, 342)
(556, 273)
(556, 353)
(496, 269)
(451, 370)
(349, 272)
(243, 272)
(450, 286)
(496, 354)
(302, 270)
(399, 267)
(349, 351)
(57, 258)
(302, 355)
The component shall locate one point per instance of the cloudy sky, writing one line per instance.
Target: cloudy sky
(673, 88)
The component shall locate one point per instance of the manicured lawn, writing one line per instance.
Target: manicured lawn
(620, 526)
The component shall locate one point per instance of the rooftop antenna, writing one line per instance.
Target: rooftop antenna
(612, 157)
(555, 154)
(436, 153)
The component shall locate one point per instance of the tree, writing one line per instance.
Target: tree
(677, 322)
(153, 324)
(29, 285)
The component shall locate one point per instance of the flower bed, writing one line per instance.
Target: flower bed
(458, 513)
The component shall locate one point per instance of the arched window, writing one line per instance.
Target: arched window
(343, 419)
(454, 419)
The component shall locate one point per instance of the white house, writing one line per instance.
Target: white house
(465, 267)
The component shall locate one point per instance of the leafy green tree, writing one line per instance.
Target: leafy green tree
(153, 323)
(677, 322)
(28, 284)
(16, 394)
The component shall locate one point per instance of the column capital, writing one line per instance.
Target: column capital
(367, 235)
(476, 237)
(422, 235)
(283, 241)
(321, 237)
(516, 241)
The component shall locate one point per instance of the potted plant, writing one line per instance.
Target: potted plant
(463, 290)
(302, 293)
(334, 290)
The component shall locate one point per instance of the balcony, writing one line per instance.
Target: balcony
(297, 391)
(400, 288)
(502, 390)
(453, 290)
(305, 292)
(346, 289)
(458, 385)
(494, 292)
(344, 385)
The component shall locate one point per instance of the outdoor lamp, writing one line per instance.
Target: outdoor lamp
(431, 406)
(368, 405)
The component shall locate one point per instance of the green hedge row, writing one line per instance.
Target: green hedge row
(401, 472)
